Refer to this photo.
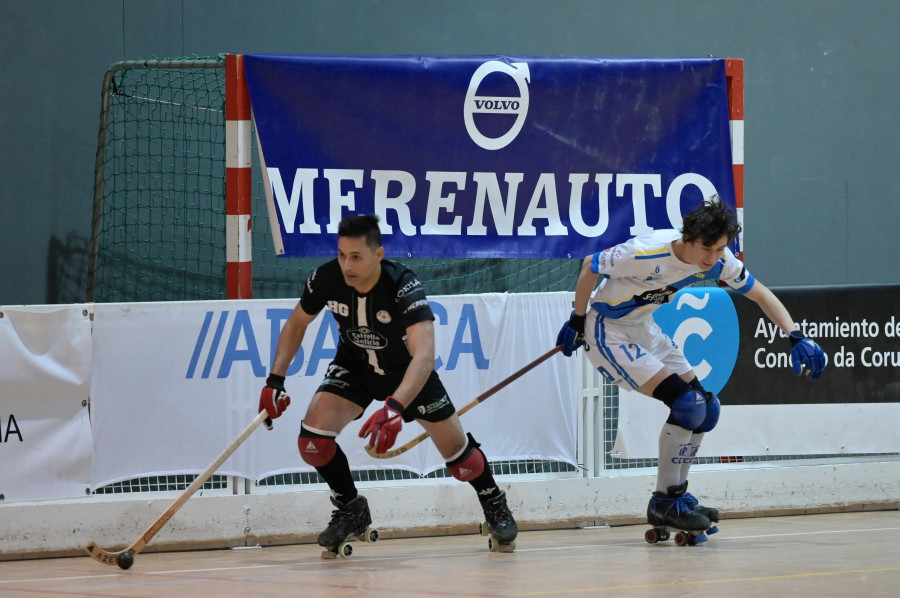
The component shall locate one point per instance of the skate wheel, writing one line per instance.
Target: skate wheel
(343, 550)
(371, 535)
(484, 529)
(681, 539)
(511, 547)
(495, 546)
(652, 536)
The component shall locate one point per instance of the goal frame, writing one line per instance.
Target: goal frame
(238, 162)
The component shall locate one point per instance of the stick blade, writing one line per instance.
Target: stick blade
(102, 556)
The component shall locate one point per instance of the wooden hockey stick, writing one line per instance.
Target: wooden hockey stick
(492, 390)
(113, 558)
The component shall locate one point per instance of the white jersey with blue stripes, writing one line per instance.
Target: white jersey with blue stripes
(641, 274)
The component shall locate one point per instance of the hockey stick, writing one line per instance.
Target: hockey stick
(125, 557)
(492, 390)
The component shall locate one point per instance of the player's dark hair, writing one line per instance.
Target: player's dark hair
(709, 222)
(361, 225)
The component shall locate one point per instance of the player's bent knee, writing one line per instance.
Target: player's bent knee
(689, 410)
(470, 465)
(316, 449)
(687, 404)
(713, 407)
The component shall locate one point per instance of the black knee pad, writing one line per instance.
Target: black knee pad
(670, 389)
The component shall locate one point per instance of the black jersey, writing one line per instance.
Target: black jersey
(372, 325)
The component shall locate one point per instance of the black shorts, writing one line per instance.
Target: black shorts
(433, 404)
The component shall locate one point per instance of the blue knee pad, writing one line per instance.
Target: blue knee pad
(713, 407)
(689, 410)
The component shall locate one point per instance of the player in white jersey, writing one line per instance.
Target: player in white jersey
(614, 323)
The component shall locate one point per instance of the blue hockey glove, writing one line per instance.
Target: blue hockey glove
(806, 353)
(571, 335)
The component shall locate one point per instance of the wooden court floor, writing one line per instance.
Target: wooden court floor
(841, 554)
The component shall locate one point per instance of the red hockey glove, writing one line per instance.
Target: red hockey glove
(384, 425)
(273, 398)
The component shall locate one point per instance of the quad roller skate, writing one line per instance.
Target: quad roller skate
(499, 524)
(670, 511)
(348, 522)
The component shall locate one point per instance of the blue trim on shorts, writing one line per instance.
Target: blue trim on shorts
(608, 355)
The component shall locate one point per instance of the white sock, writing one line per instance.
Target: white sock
(695, 441)
(674, 445)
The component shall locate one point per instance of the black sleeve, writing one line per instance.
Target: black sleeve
(411, 300)
(314, 295)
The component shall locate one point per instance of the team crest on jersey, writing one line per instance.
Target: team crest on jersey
(383, 316)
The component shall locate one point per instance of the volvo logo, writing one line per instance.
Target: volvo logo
(499, 105)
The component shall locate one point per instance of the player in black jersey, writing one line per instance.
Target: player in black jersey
(386, 352)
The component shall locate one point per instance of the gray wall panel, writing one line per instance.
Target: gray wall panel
(821, 88)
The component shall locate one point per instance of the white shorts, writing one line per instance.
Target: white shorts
(630, 353)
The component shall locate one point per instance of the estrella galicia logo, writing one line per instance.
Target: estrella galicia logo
(366, 338)
(490, 79)
(703, 322)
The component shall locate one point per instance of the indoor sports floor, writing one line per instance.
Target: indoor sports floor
(840, 554)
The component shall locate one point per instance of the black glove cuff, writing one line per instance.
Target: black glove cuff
(576, 323)
(275, 381)
(394, 404)
(795, 338)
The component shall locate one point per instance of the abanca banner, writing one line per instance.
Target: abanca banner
(488, 156)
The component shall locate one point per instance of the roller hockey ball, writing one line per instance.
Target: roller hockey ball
(125, 559)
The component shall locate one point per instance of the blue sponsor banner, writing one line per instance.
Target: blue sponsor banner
(488, 156)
